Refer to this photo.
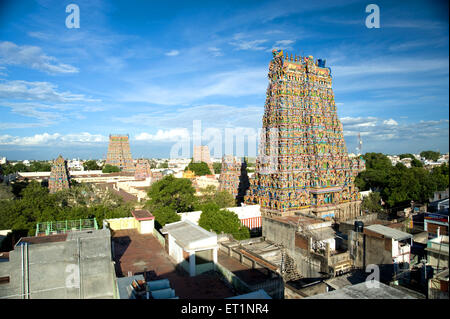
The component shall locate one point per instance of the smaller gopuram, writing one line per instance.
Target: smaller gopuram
(201, 154)
(233, 177)
(59, 176)
(119, 153)
(229, 176)
(143, 170)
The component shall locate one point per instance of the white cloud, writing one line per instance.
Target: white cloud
(215, 51)
(241, 82)
(390, 122)
(241, 44)
(172, 135)
(42, 91)
(391, 66)
(33, 57)
(173, 53)
(55, 139)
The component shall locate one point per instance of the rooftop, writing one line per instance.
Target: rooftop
(143, 254)
(361, 291)
(187, 234)
(349, 279)
(388, 232)
(142, 214)
(302, 219)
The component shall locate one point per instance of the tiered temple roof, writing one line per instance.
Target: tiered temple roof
(303, 160)
(143, 170)
(119, 153)
(59, 176)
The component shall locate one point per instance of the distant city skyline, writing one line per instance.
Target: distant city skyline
(149, 69)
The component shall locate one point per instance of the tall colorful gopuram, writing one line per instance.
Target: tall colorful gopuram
(143, 170)
(59, 175)
(229, 175)
(119, 153)
(303, 164)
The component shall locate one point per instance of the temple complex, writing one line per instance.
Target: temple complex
(119, 153)
(59, 176)
(143, 170)
(303, 164)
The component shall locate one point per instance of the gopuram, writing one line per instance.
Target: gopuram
(303, 164)
(229, 175)
(143, 170)
(119, 153)
(59, 176)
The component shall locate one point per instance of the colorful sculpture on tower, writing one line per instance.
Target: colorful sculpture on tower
(119, 153)
(303, 164)
(59, 176)
(143, 170)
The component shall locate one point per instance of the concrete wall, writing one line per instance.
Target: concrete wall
(53, 268)
(122, 223)
(146, 226)
(307, 265)
(279, 232)
(160, 237)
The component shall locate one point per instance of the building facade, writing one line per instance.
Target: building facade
(119, 153)
(303, 164)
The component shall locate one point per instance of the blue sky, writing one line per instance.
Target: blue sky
(150, 68)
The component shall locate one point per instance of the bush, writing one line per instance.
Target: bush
(110, 169)
(222, 220)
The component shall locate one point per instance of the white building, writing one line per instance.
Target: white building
(192, 247)
(75, 165)
(249, 215)
(2, 160)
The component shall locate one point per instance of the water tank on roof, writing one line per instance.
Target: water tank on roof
(359, 226)
(321, 63)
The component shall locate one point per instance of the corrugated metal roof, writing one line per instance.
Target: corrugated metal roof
(389, 232)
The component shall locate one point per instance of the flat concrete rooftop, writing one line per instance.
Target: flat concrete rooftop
(137, 253)
(246, 274)
(361, 291)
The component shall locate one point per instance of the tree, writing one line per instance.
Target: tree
(199, 169)
(35, 204)
(372, 203)
(222, 220)
(174, 193)
(164, 165)
(110, 169)
(430, 155)
(165, 215)
(416, 163)
(406, 155)
(6, 192)
(224, 199)
(40, 167)
(217, 167)
(91, 165)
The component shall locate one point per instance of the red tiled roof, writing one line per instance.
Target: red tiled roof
(142, 214)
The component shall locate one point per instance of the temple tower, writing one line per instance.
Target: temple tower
(229, 176)
(303, 164)
(201, 154)
(143, 170)
(119, 153)
(59, 175)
